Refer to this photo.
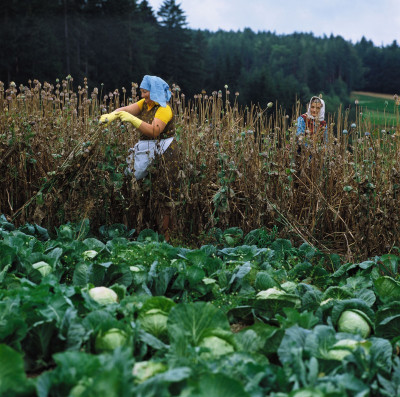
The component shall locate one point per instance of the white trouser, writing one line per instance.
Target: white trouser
(143, 153)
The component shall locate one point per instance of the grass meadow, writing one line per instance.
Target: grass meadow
(381, 108)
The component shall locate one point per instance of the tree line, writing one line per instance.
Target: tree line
(115, 42)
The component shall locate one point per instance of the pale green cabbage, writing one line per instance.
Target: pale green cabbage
(103, 295)
(216, 345)
(90, 254)
(344, 347)
(110, 340)
(355, 322)
(270, 293)
(154, 322)
(143, 370)
(43, 267)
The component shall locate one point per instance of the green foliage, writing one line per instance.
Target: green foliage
(219, 384)
(115, 230)
(13, 380)
(194, 321)
(70, 39)
(278, 331)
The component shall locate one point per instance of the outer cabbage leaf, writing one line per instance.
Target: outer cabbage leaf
(387, 289)
(217, 385)
(13, 381)
(192, 321)
(153, 315)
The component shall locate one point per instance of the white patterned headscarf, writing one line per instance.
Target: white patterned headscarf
(321, 115)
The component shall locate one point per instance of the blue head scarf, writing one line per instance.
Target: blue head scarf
(159, 89)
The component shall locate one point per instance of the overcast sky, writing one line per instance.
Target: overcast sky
(377, 20)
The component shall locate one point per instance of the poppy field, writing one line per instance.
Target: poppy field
(239, 167)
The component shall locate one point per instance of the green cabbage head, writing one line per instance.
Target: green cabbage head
(43, 267)
(80, 388)
(355, 322)
(154, 321)
(144, 370)
(103, 295)
(344, 347)
(217, 346)
(110, 340)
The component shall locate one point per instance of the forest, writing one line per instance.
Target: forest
(113, 43)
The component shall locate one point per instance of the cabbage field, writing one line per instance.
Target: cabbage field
(245, 315)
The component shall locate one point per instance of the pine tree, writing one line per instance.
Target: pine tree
(176, 54)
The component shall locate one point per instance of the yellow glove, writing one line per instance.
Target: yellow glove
(108, 118)
(125, 116)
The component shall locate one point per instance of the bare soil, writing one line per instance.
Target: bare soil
(237, 327)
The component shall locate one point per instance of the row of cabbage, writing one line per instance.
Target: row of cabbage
(247, 316)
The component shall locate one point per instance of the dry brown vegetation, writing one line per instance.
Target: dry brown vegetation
(240, 167)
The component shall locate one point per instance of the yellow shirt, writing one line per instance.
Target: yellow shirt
(163, 114)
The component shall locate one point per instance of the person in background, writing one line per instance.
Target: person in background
(313, 121)
(155, 155)
(311, 128)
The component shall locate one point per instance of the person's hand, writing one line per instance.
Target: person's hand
(125, 116)
(108, 118)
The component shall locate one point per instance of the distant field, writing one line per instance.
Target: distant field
(373, 94)
(380, 108)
